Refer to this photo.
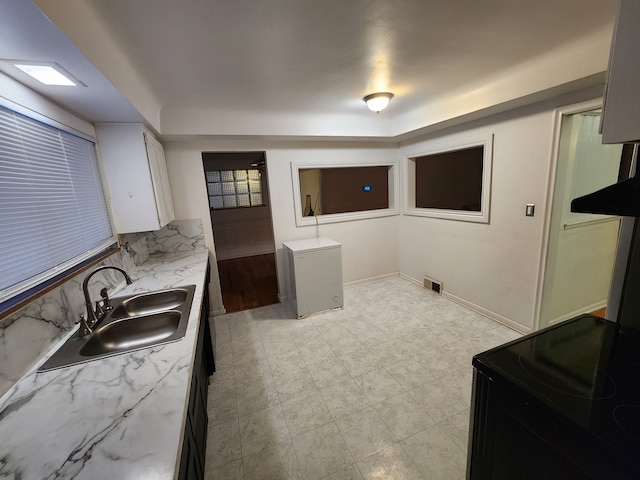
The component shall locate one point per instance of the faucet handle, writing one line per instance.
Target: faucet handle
(106, 304)
(84, 329)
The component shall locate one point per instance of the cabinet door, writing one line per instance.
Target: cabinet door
(160, 180)
(620, 120)
(136, 174)
(192, 463)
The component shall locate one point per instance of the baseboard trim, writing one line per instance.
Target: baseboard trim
(496, 317)
(488, 313)
(370, 279)
(575, 313)
(404, 276)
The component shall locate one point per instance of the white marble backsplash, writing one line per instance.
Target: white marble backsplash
(178, 236)
(135, 245)
(28, 334)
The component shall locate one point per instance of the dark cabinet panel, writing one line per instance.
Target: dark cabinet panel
(192, 463)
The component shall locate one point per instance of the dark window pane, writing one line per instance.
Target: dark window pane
(354, 189)
(450, 180)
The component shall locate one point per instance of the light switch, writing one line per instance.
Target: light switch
(530, 210)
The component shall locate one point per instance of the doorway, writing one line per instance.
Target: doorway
(242, 225)
(581, 247)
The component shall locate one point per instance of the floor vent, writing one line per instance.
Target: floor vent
(433, 285)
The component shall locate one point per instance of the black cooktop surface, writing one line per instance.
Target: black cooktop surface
(585, 370)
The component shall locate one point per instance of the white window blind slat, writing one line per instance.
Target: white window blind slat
(52, 206)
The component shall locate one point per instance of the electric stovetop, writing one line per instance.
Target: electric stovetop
(585, 371)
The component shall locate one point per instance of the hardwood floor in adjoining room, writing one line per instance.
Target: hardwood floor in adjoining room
(248, 282)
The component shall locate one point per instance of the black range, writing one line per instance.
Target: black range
(563, 402)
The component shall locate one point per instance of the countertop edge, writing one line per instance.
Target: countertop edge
(122, 410)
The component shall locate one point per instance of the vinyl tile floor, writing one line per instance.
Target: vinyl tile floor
(378, 390)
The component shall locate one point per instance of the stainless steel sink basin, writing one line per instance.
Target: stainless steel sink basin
(135, 322)
(129, 333)
(152, 302)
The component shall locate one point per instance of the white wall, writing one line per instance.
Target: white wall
(369, 246)
(242, 232)
(494, 268)
(578, 271)
(579, 62)
(490, 267)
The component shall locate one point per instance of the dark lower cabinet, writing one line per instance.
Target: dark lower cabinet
(195, 434)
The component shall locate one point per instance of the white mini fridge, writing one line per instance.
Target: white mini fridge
(314, 267)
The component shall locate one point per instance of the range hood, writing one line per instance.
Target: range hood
(622, 198)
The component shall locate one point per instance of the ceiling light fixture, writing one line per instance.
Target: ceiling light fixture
(48, 73)
(378, 101)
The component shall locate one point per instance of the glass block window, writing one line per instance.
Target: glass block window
(234, 188)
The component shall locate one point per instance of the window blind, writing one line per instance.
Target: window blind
(53, 212)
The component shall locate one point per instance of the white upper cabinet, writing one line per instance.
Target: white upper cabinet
(136, 175)
(621, 113)
(159, 175)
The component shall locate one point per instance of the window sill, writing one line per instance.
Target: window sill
(19, 301)
(243, 207)
(345, 217)
(458, 215)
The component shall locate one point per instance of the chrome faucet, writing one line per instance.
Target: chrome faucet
(89, 323)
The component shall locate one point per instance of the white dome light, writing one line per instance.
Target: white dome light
(378, 101)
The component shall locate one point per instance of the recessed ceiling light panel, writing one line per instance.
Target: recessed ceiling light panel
(48, 73)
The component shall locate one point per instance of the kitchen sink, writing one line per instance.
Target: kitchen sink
(135, 321)
(152, 302)
(122, 335)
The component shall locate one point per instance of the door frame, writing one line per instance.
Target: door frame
(215, 273)
(551, 188)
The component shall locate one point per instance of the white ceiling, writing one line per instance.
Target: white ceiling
(243, 66)
(26, 34)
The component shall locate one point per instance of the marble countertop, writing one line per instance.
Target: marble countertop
(118, 417)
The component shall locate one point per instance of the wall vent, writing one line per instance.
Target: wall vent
(433, 285)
